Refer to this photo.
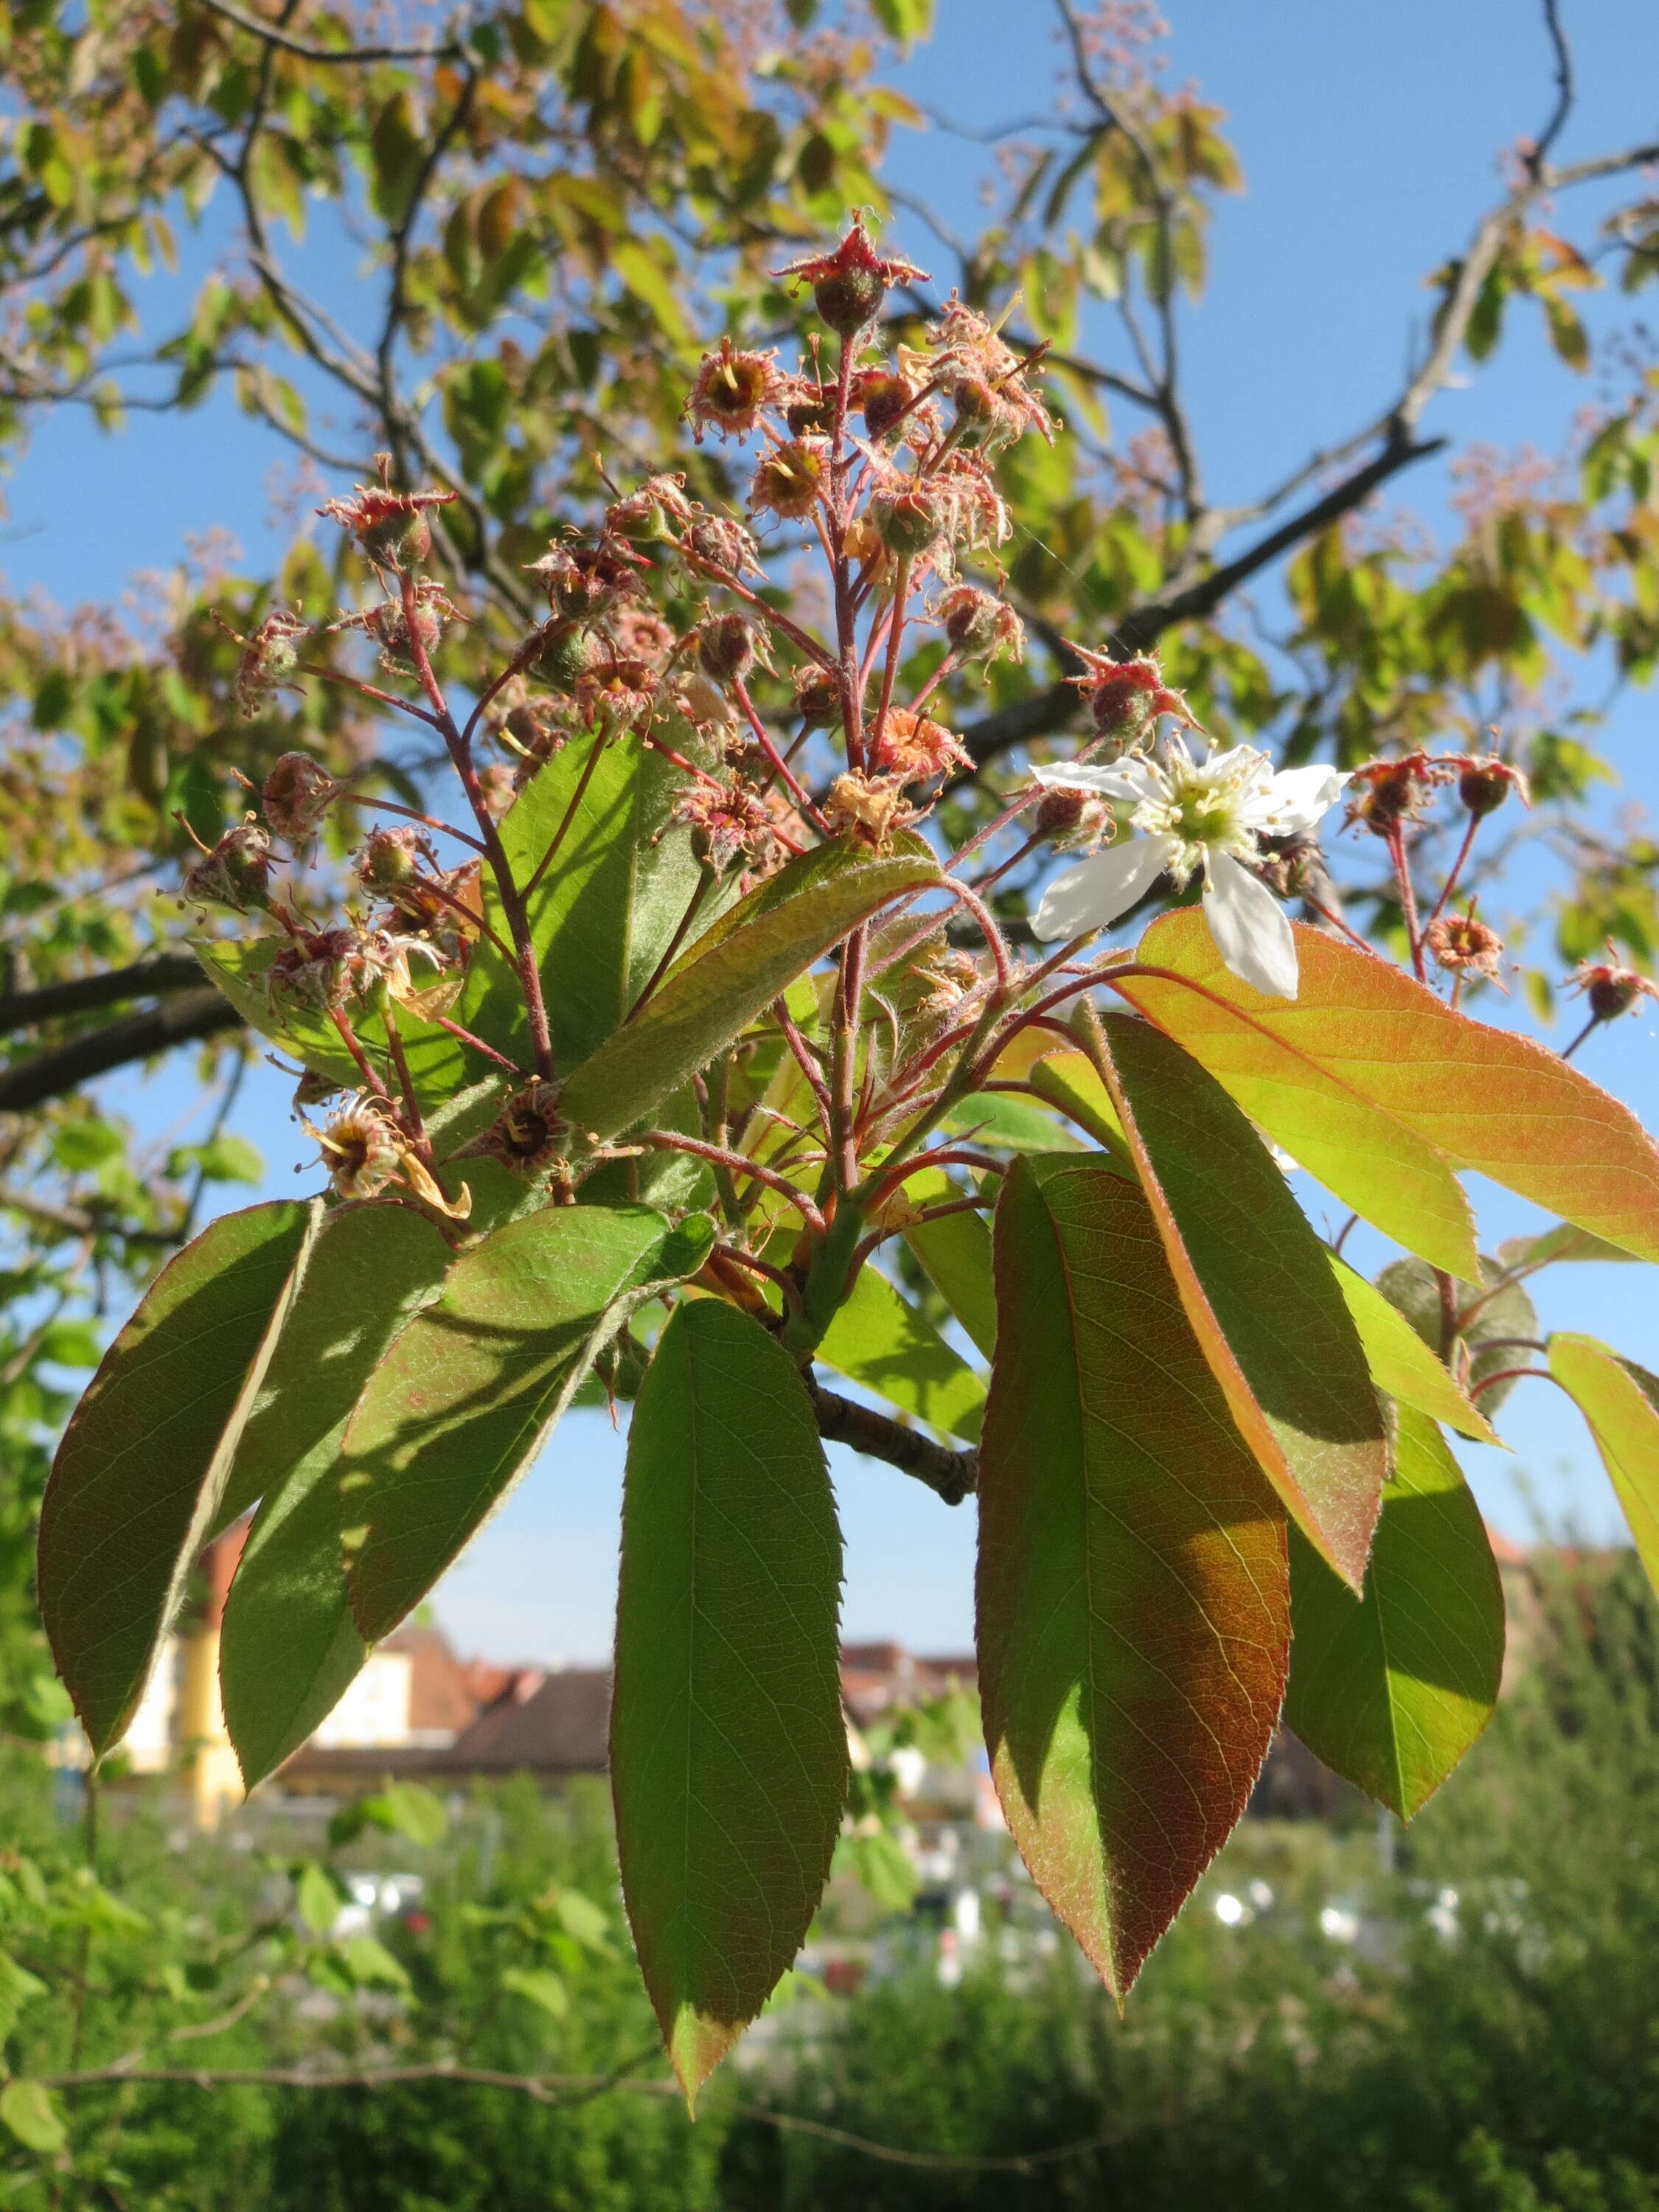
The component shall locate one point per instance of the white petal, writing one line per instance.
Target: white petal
(1251, 930)
(1295, 799)
(1133, 780)
(1096, 891)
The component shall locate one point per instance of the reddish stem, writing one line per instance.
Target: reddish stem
(780, 767)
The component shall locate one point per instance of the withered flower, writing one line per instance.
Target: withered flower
(915, 749)
(869, 807)
(1387, 793)
(849, 284)
(789, 479)
(295, 796)
(270, 659)
(390, 526)
(731, 390)
(728, 822)
(981, 626)
(1612, 988)
(236, 874)
(1463, 944)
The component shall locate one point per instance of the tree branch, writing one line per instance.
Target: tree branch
(952, 1474)
(81, 994)
(180, 1019)
(570, 2088)
(339, 56)
(1044, 712)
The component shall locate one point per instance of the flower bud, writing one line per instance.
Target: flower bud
(726, 648)
(296, 795)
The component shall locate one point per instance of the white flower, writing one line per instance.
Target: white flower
(1190, 815)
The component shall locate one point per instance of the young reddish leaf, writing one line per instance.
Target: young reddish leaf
(879, 1339)
(289, 1646)
(137, 1483)
(1620, 1401)
(728, 1751)
(1392, 1692)
(1402, 1364)
(732, 974)
(1133, 1596)
(1484, 1098)
(1256, 1286)
(471, 1389)
(1389, 1175)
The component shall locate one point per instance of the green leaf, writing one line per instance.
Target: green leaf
(318, 1897)
(1563, 1241)
(905, 20)
(1403, 1364)
(993, 1117)
(1414, 1291)
(30, 2110)
(1133, 1596)
(881, 1868)
(1256, 1286)
(136, 1483)
(737, 969)
(541, 1986)
(471, 1389)
(289, 1645)
(1068, 1080)
(606, 910)
(879, 1339)
(224, 1158)
(440, 1065)
(1620, 1401)
(1391, 1693)
(18, 1987)
(728, 1750)
(956, 1255)
(370, 1965)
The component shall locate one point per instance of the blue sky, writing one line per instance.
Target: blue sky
(1368, 139)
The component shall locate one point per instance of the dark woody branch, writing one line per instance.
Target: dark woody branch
(1047, 711)
(183, 1018)
(952, 1474)
(83, 995)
